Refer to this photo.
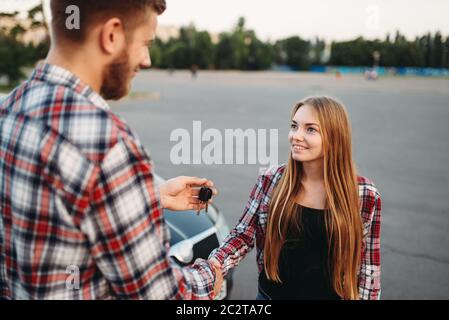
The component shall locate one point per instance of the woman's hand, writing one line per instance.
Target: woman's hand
(181, 193)
(218, 276)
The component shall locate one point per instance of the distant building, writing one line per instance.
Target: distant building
(164, 33)
(33, 35)
(37, 34)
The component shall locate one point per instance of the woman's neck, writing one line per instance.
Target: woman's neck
(312, 194)
(313, 171)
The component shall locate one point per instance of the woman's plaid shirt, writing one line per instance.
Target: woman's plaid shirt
(80, 217)
(252, 225)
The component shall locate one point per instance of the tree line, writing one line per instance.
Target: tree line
(241, 49)
(14, 53)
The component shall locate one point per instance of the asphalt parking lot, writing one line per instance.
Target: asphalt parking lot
(401, 142)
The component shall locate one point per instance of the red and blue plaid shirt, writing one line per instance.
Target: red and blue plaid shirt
(77, 201)
(252, 225)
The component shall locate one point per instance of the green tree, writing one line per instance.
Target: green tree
(317, 51)
(295, 52)
(12, 58)
(202, 50)
(156, 53)
(14, 54)
(177, 55)
(241, 39)
(224, 53)
(357, 52)
(437, 51)
(446, 54)
(260, 55)
(241, 49)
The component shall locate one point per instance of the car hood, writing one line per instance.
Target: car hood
(186, 224)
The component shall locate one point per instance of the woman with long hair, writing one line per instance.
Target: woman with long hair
(315, 222)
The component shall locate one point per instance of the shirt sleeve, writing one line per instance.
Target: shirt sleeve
(240, 240)
(369, 277)
(128, 235)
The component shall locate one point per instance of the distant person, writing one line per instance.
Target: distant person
(77, 193)
(316, 224)
(194, 71)
(171, 70)
(371, 74)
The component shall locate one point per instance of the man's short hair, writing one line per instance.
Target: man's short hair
(130, 12)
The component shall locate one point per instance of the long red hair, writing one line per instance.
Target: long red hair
(343, 220)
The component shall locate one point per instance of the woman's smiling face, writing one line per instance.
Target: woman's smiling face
(305, 135)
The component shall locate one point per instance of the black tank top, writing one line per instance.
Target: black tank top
(303, 262)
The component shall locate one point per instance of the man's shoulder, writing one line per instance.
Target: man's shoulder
(70, 114)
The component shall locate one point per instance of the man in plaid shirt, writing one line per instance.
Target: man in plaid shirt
(77, 193)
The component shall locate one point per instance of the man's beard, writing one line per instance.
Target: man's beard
(116, 78)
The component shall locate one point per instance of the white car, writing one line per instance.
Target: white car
(195, 236)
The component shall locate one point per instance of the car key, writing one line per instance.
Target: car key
(204, 196)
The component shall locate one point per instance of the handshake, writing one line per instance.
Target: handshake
(218, 276)
(185, 193)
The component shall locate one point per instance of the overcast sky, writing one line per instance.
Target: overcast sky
(329, 19)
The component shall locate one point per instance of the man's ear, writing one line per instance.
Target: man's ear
(112, 36)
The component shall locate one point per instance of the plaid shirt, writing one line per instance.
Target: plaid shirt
(252, 226)
(77, 201)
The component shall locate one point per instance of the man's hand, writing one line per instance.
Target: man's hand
(181, 193)
(218, 277)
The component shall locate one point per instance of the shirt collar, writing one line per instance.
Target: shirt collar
(57, 75)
